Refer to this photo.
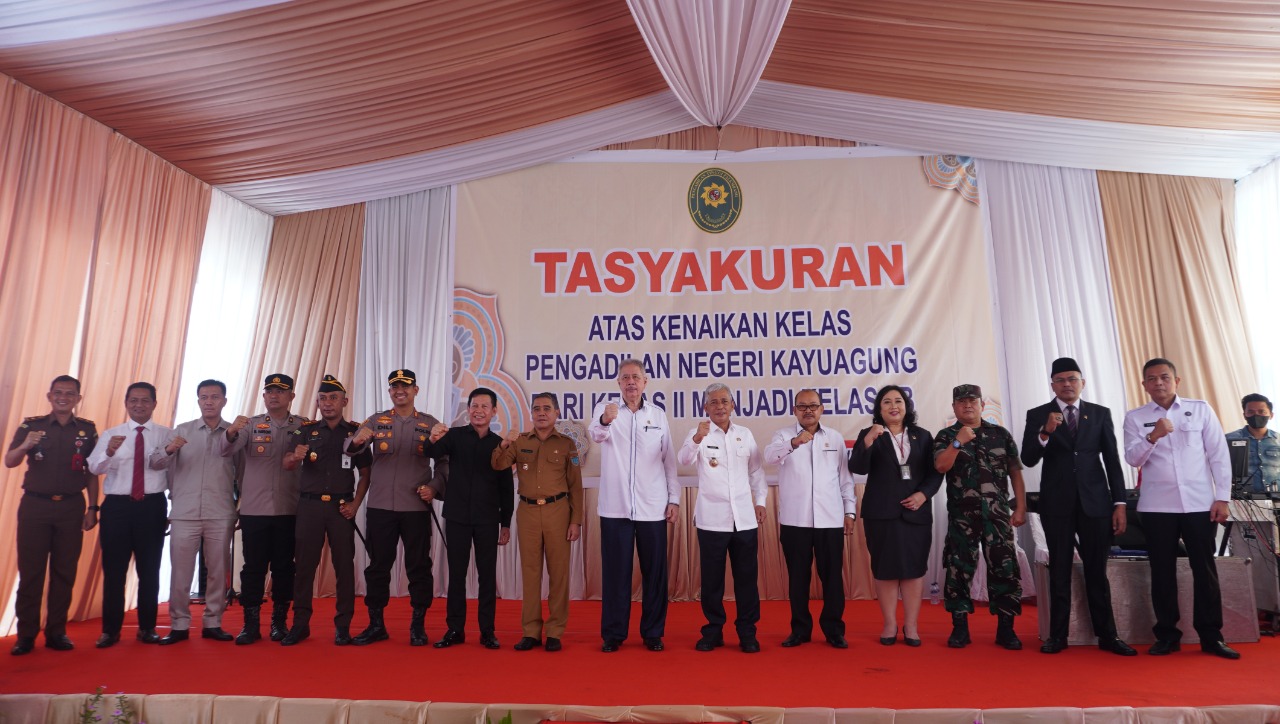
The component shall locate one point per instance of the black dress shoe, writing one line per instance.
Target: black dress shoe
(1164, 648)
(24, 646)
(611, 645)
(653, 643)
(889, 640)
(707, 644)
(342, 636)
(59, 642)
(296, 635)
(489, 641)
(107, 640)
(913, 643)
(793, 640)
(750, 646)
(216, 633)
(553, 644)
(174, 637)
(147, 636)
(450, 638)
(526, 643)
(1219, 648)
(838, 642)
(1053, 646)
(1116, 646)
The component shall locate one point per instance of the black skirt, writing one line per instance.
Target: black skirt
(899, 550)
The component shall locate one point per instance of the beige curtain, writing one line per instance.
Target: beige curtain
(307, 316)
(729, 138)
(1175, 284)
(143, 275)
(52, 167)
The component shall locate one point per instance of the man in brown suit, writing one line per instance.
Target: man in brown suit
(548, 519)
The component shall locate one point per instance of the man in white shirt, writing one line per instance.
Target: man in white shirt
(816, 510)
(1186, 483)
(639, 496)
(728, 512)
(202, 491)
(133, 516)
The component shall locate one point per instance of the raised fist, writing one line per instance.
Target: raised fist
(1051, 424)
(873, 432)
(114, 444)
(33, 438)
(175, 444)
(610, 413)
(362, 436)
(301, 451)
(241, 422)
(1163, 427)
(804, 437)
(966, 435)
(438, 431)
(704, 429)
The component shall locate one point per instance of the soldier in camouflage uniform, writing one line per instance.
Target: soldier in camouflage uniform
(979, 458)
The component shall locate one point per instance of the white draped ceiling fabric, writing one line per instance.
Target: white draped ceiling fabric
(296, 105)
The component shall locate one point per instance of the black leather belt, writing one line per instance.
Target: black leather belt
(56, 497)
(543, 501)
(326, 497)
(130, 497)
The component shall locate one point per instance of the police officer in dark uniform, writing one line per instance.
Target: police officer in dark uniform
(268, 506)
(326, 509)
(52, 516)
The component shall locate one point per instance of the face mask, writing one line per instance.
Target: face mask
(1257, 422)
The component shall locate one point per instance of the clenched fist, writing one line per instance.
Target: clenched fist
(804, 437)
(1163, 427)
(114, 444)
(874, 432)
(704, 429)
(610, 413)
(241, 422)
(438, 431)
(966, 435)
(175, 444)
(33, 438)
(510, 437)
(300, 452)
(362, 436)
(1051, 424)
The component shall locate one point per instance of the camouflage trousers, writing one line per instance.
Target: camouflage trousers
(973, 520)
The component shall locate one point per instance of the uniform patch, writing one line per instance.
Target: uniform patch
(574, 460)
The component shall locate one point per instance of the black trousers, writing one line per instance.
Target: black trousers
(621, 540)
(800, 547)
(316, 522)
(1198, 534)
(128, 529)
(50, 533)
(741, 549)
(268, 541)
(384, 529)
(1063, 534)
(461, 539)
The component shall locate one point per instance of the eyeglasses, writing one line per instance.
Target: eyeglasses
(808, 408)
(1066, 380)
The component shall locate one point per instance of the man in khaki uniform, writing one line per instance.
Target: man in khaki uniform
(548, 519)
(402, 483)
(268, 506)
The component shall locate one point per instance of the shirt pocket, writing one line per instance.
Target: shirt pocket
(381, 444)
(259, 445)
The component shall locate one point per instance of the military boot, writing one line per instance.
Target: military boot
(376, 631)
(279, 621)
(959, 630)
(417, 627)
(342, 636)
(1004, 633)
(252, 630)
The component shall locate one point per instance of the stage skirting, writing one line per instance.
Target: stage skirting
(208, 709)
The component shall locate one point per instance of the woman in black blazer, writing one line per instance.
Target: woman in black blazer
(896, 455)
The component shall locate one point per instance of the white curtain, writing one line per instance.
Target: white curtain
(406, 321)
(224, 304)
(224, 310)
(1258, 245)
(655, 115)
(29, 22)
(711, 52)
(1003, 135)
(1052, 283)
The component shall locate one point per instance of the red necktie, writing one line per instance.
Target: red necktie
(139, 477)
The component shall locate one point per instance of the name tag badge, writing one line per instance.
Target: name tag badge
(346, 461)
(906, 471)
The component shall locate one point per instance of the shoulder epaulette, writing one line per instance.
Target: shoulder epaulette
(86, 421)
(33, 418)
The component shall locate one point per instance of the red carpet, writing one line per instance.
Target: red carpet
(865, 675)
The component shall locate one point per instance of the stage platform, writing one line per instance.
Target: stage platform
(204, 681)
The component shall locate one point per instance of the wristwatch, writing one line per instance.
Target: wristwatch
(955, 444)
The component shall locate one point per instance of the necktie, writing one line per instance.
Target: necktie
(139, 477)
(1071, 419)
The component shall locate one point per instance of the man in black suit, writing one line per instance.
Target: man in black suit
(1081, 495)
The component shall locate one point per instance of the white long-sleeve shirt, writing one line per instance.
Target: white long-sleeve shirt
(637, 463)
(118, 468)
(730, 478)
(1185, 471)
(815, 487)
